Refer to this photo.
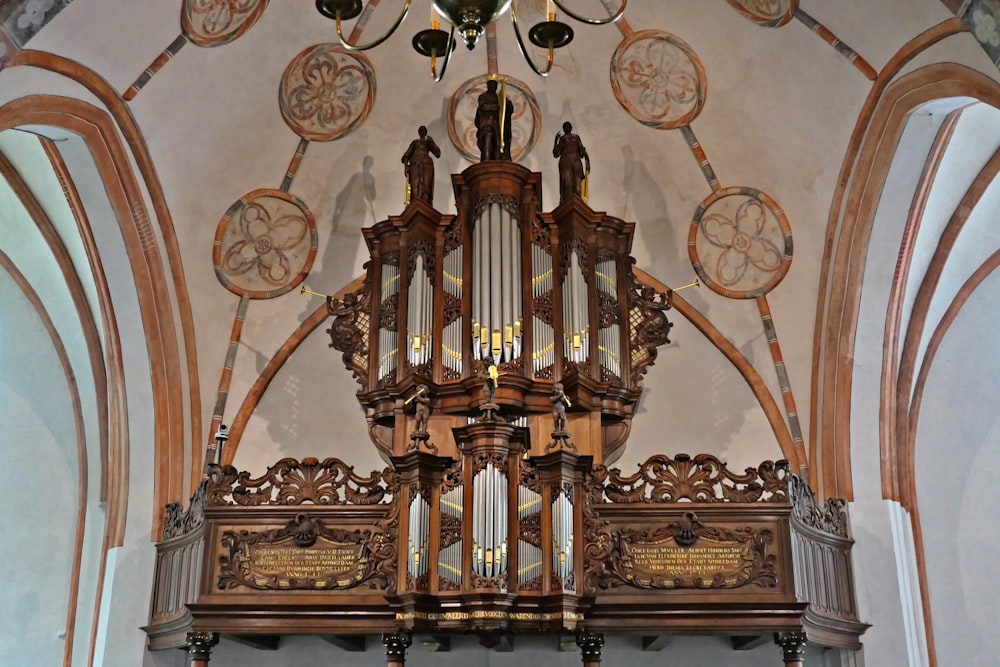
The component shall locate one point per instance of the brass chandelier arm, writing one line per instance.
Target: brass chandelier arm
(524, 50)
(447, 58)
(371, 45)
(583, 19)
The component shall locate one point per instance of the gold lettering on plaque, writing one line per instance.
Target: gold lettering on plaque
(725, 562)
(330, 564)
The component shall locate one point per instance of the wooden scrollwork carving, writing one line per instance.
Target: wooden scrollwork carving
(702, 479)
(293, 482)
(349, 332)
(746, 560)
(831, 517)
(368, 557)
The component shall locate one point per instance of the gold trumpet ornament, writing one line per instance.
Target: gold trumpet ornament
(420, 391)
(306, 290)
(696, 283)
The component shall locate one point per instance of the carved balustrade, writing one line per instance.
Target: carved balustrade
(303, 535)
(177, 573)
(824, 575)
(501, 542)
(689, 535)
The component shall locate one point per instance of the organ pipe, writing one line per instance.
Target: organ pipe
(419, 534)
(609, 339)
(420, 315)
(529, 556)
(387, 352)
(543, 355)
(451, 345)
(562, 535)
(576, 314)
(496, 298)
(489, 522)
(450, 557)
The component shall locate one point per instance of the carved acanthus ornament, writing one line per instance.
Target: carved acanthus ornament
(754, 564)
(831, 517)
(293, 482)
(178, 522)
(371, 556)
(506, 202)
(649, 327)
(424, 248)
(702, 479)
(349, 332)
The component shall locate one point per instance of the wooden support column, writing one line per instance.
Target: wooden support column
(590, 644)
(395, 647)
(200, 647)
(793, 647)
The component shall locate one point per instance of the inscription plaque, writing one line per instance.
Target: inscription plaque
(710, 560)
(689, 554)
(329, 564)
(306, 555)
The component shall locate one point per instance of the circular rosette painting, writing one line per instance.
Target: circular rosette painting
(526, 121)
(218, 22)
(326, 92)
(740, 243)
(658, 79)
(264, 245)
(768, 13)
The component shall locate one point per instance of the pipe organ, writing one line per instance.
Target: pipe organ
(501, 516)
(546, 297)
(496, 282)
(491, 500)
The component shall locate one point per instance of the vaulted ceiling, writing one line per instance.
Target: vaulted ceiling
(134, 134)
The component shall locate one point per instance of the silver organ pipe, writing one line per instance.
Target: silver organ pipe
(575, 312)
(387, 338)
(609, 341)
(419, 315)
(562, 536)
(495, 281)
(450, 556)
(513, 420)
(489, 522)
(543, 354)
(451, 347)
(419, 529)
(529, 556)
(496, 297)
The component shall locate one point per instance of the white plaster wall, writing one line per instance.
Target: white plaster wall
(38, 448)
(956, 462)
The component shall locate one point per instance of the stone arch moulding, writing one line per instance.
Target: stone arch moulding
(839, 313)
(830, 472)
(847, 258)
(119, 117)
(98, 131)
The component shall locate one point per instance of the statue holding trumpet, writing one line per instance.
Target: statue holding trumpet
(490, 378)
(560, 401)
(422, 412)
(560, 436)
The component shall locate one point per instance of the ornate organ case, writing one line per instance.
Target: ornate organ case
(547, 297)
(498, 513)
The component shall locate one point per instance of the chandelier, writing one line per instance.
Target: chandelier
(470, 18)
